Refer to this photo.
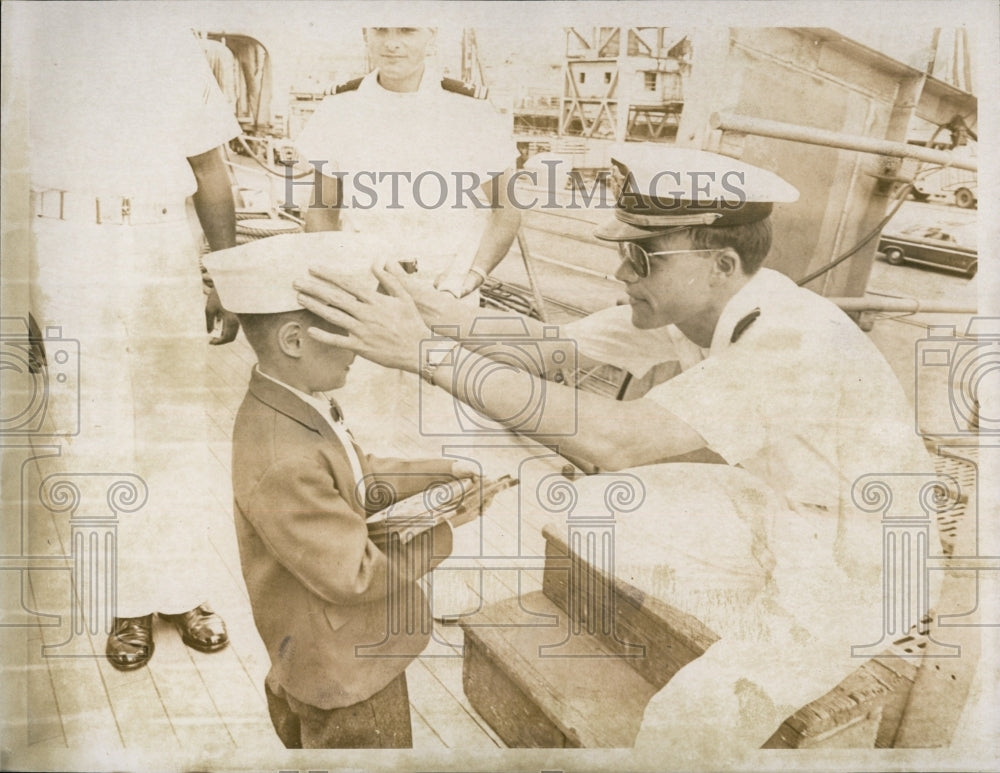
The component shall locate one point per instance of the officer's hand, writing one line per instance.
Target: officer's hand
(447, 283)
(386, 329)
(215, 314)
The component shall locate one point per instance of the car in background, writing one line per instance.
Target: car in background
(931, 245)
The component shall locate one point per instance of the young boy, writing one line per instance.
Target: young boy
(341, 620)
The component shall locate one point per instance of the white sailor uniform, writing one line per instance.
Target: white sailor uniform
(404, 156)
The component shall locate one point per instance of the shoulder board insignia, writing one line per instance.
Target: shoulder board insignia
(743, 324)
(351, 85)
(466, 89)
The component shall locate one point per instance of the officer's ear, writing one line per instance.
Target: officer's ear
(726, 263)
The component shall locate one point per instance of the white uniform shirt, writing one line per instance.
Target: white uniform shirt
(430, 132)
(118, 104)
(788, 573)
(803, 399)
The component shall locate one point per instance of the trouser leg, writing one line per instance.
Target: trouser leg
(285, 721)
(130, 300)
(379, 722)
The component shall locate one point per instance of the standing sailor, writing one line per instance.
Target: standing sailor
(406, 152)
(126, 122)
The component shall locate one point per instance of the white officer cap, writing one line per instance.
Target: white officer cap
(256, 278)
(660, 188)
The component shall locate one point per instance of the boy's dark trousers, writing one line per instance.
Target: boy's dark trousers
(379, 722)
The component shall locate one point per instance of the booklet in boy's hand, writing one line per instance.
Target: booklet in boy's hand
(458, 502)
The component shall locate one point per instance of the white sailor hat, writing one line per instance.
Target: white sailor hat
(256, 278)
(661, 188)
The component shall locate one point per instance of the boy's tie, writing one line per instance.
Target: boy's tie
(338, 417)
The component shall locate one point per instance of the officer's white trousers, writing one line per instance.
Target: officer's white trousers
(713, 541)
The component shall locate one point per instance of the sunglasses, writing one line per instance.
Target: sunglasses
(638, 257)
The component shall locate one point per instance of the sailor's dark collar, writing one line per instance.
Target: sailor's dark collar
(448, 84)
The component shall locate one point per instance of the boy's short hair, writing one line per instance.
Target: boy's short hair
(260, 328)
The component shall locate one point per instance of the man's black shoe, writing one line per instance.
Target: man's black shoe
(130, 643)
(200, 628)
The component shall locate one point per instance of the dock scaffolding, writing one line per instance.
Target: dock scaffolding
(618, 83)
(624, 83)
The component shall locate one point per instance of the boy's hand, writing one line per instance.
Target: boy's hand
(481, 494)
(472, 505)
(464, 468)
